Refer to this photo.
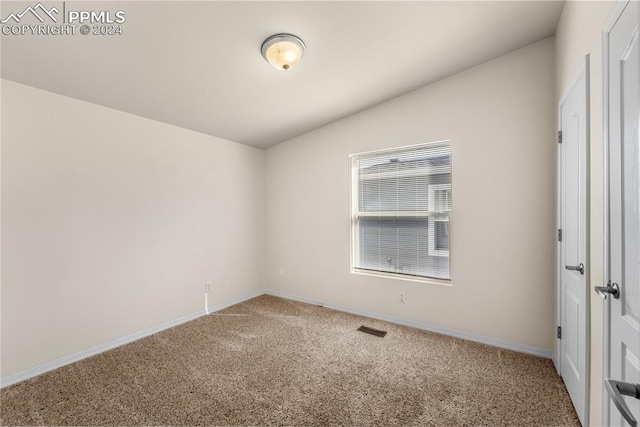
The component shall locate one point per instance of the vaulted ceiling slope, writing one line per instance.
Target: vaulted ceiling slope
(197, 64)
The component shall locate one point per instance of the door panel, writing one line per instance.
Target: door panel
(572, 341)
(624, 206)
(573, 286)
(631, 181)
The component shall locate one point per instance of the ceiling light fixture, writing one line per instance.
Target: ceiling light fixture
(283, 51)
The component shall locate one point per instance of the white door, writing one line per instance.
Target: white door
(622, 319)
(573, 336)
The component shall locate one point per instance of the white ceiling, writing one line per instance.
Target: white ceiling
(197, 65)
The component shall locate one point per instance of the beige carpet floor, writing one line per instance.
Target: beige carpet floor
(271, 361)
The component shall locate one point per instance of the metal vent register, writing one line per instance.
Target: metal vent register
(372, 331)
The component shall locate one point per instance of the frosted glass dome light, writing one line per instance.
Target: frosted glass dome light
(283, 51)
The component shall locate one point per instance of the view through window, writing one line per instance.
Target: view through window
(401, 210)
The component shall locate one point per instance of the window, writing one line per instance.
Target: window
(401, 211)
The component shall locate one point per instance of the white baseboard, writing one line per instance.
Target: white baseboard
(292, 297)
(555, 363)
(92, 351)
(229, 303)
(495, 342)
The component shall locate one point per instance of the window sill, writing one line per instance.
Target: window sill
(396, 276)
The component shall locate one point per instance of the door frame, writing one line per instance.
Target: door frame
(618, 8)
(586, 347)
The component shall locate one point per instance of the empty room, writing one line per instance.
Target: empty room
(308, 213)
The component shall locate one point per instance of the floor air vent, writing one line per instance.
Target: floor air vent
(372, 331)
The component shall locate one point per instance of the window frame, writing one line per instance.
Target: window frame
(432, 250)
(354, 218)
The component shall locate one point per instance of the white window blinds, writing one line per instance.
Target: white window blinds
(401, 210)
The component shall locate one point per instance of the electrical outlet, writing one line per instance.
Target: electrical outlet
(281, 271)
(401, 297)
(207, 287)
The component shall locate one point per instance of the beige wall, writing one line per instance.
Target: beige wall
(112, 223)
(501, 118)
(579, 33)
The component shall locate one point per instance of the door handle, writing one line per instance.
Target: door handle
(616, 390)
(614, 290)
(579, 268)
